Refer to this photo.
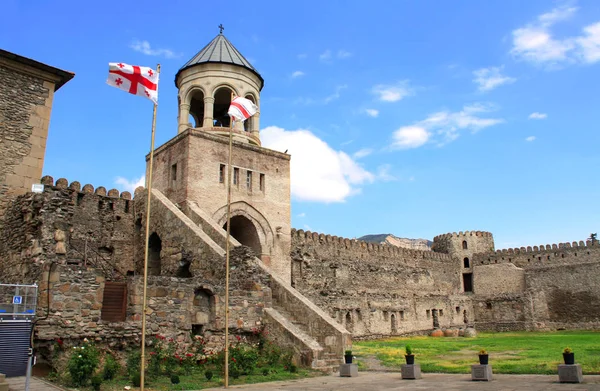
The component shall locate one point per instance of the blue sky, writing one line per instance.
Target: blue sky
(409, 117)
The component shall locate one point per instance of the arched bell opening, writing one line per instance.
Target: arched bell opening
(197, 108)
(221, 106)
(245, 232)
(249, 123)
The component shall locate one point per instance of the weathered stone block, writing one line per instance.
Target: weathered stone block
(570, 373)
(481, 372)
(348, 370)
(412, 371)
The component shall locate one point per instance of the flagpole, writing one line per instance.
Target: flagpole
(230, 172)
(149, 195)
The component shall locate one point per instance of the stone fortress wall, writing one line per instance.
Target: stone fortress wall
(375, 289)
(362, 284)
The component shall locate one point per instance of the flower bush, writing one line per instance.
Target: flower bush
(82, 363)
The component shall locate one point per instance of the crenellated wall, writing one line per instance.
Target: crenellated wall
(375, 289)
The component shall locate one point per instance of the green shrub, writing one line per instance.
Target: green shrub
(111, 367)
(134, 361)
(265, 372)
(208, 375)
(136, 380)
(82, 363)
(175, 379)
(96, 382)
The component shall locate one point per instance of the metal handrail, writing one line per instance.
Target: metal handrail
(99, 261)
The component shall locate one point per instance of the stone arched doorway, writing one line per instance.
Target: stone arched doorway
(245, 232)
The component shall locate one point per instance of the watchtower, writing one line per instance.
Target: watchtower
(461, 247)
(192, 166)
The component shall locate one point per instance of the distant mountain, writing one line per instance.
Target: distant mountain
(389, 239)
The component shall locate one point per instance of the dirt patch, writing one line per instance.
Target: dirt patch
(372, 363)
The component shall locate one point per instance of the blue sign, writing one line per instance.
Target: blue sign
(17, 299)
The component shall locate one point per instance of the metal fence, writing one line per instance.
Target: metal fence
(18, 302)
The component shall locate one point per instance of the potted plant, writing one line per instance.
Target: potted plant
(409, 356)
(348, 356)
(483, 357)
(569, 356)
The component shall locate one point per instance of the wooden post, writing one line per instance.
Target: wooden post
(227, 250)
(149, 197)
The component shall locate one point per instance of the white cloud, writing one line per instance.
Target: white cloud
(383, 173)
(589, 44)
(325, 56)
(537, 115)
(318, 172)
(536, 42)
(336, 94)
(372, 112)
(343, 54)
(297, 74)
(444, 126)
(410, 137)
(144, 47)
(489, 78)
(530, 138)
(302, 56)
(130, 186)
(392, 93)
(362, 153)
(301, 214)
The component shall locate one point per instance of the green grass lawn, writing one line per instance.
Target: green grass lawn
(518, 352)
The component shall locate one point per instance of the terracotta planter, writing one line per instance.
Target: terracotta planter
(569, 358)
(410, 359)
(483, 359)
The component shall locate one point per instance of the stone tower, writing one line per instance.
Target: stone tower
(27, 90)
(461, 247)
(191, 168)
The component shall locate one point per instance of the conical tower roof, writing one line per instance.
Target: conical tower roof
(220, 50)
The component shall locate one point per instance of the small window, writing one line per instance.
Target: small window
(114, 302)
(174, 174)
(222, 173)
(441, 312)
(488, 305)
(466, 262)
(262, 182)
(249, 180)
(465, 245)
(385, 315)
(236, 176)
(458, 310)
(428, 313)
(401, 315)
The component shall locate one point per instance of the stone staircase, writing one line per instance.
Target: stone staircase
(312, 353)
(293, 320)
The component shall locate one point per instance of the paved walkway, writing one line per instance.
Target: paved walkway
(388, 381)
(35, 384)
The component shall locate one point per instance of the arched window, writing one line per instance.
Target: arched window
(154, 249)
(197, 109)
(394, 326)
(466, 262)
(245, 232)
(221, 106)
(464, 244)
(204, 308)
(249, 123)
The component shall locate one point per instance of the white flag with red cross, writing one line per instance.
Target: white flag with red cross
(136, 80)
(241, 109)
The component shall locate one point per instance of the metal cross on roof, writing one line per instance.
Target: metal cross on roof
(221, 28)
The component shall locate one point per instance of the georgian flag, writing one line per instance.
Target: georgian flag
(241, 109)
(136, 80)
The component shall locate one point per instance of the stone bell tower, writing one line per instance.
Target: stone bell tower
(191, 168)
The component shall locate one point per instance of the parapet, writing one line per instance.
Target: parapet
(63, 183)
(462, 234)
(548, 247)
(359, 245)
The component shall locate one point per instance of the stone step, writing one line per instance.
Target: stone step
(2, 377)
